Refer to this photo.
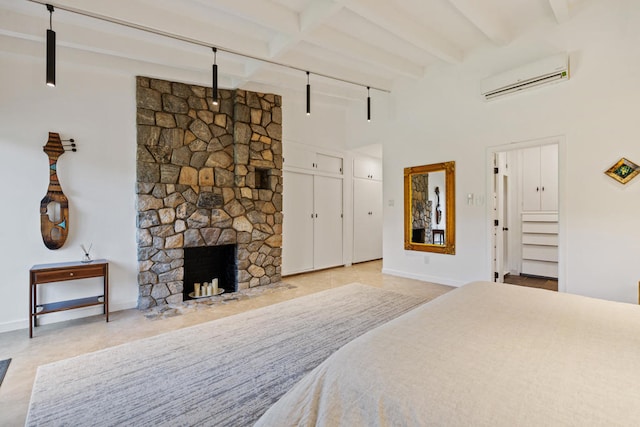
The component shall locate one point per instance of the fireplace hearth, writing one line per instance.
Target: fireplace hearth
(205, 263)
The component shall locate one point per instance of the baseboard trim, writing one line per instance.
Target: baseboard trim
(14, 325)
(424, 277)
(24, 323)
(122, 305)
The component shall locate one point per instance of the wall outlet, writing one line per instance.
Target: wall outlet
(426, 259)
(392, 202)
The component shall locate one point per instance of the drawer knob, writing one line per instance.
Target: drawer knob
(70, 274)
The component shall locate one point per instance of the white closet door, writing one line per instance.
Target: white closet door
(330, 164)
(367, 220)
(531, 179)
(376, 220)
(367, 167)
(328, 222)
(298, 223)
(549, 177)
(298, 157)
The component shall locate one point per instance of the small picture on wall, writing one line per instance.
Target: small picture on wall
(623, 171)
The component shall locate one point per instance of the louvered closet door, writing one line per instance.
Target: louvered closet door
(328, 230)
(298, 223)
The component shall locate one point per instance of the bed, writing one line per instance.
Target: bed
(485, 354)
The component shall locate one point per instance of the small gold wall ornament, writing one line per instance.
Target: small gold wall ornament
(623, 171)
(54, 207)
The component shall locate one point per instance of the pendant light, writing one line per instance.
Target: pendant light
(215, 77)
(368, 104)
(51, 51)
(308, 96)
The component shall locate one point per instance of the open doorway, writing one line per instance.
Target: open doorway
(525, 213)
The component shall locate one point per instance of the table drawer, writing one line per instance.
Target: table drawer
(69, 274)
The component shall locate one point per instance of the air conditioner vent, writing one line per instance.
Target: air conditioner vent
(550, 70)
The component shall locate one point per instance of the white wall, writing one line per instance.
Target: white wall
(97, 109)
(443, 118)
(324, 128)
(94, 103)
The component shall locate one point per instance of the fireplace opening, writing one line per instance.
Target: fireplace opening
(203, 264)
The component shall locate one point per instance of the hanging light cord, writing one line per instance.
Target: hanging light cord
(50, 9)
(194, 41)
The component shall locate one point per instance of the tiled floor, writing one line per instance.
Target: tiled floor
(67, 339)
(532, 282)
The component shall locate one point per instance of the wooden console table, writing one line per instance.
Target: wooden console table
(440, 236)
(60, 272)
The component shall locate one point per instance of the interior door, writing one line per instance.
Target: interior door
(367, 224)
(500, 226)
(549, 177)
(531, 179)
(504, 224)
(297, 228)
(328, 222)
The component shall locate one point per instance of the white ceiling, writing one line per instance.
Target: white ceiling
(371, 42)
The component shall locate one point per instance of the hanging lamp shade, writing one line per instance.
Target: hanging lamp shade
(308, 96)
(214, 77)
(51, 51)
(368, 104)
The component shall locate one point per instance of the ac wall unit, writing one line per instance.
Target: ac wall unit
(546, 71)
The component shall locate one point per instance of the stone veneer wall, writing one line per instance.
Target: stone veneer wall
(421, 205)
(196, 183)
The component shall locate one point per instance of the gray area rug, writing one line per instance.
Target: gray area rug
(221, 373)
(4, 365)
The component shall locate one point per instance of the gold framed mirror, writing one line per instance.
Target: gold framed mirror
(430, 208)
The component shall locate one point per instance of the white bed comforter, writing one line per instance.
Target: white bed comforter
(485, 354)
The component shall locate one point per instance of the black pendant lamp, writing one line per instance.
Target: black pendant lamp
(215, 77)
(368, 104)
(308, 96)
(51, 51)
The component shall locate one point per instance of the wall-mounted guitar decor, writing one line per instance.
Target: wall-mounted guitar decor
(54, 207)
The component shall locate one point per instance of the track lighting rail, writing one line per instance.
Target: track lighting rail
(195, 42)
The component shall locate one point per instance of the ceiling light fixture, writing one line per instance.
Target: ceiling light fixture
(117, 21)
(308, 96)
(215, 77)
(51, 50)
(368, 105)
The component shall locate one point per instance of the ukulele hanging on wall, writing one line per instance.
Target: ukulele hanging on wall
(54, 207)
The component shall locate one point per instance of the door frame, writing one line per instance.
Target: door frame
(560, 140)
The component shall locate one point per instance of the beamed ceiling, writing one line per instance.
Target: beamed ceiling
(372, 42)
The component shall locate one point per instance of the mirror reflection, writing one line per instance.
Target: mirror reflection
(427, 190)
(429, 208)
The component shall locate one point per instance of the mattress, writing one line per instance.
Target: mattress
(485, 354)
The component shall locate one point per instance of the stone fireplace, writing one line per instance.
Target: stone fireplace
(207, 176)
(421, 209)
